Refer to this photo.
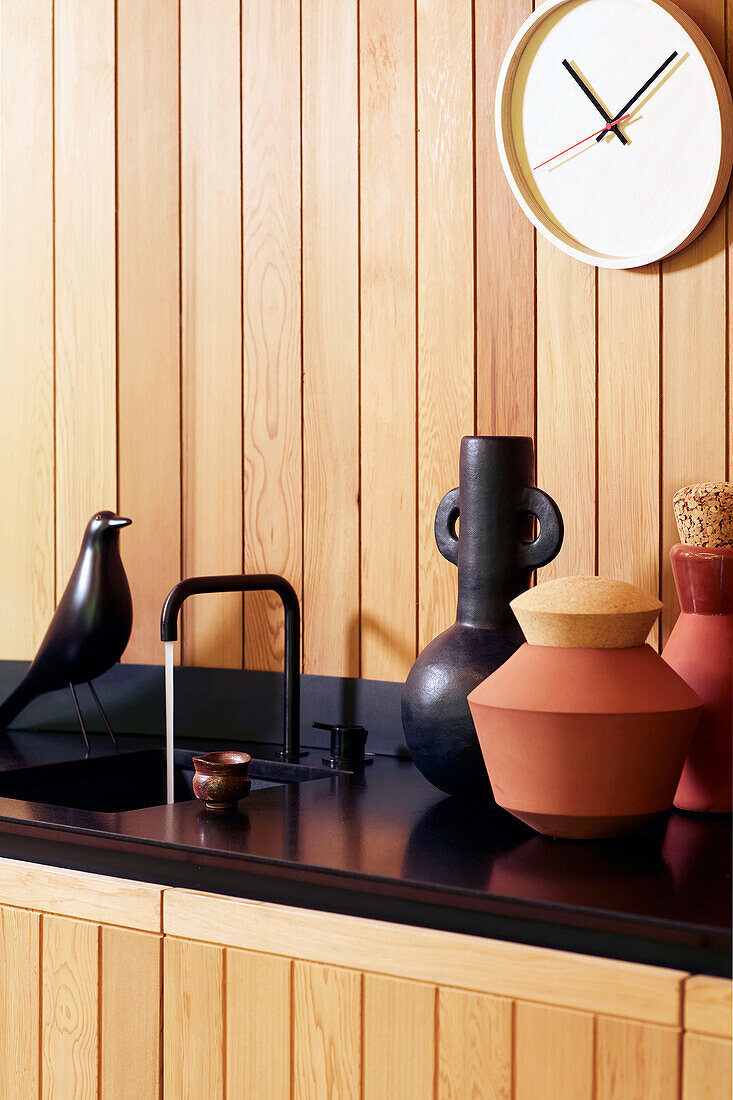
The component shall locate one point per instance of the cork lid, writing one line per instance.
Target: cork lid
(586, 613)
(704, 513)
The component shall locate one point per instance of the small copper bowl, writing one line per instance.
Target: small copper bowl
(221, 779)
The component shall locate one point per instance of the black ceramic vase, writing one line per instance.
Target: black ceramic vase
(495, 498)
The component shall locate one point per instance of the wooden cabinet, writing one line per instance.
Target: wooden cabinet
(80, 979)
(344, 1034)
(122, 990)
(356, 1008)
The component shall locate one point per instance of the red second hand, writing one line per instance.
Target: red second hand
(609, 126)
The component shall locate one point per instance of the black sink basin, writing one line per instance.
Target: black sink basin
(131, 780)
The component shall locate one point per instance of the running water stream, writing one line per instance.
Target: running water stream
(169, 721)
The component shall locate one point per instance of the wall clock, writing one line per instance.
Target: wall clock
(615, 128)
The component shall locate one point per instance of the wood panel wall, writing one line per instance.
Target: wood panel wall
(260, 271)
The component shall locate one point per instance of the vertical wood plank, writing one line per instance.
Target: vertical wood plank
(399, 1039)
(258, 998)
(636, 1061)
(211, 264)
(554, 1054)
(693, 417)
(70, 1032)
(474, 1046)
(566, 402)
(628, 427)
(388, 350)
(693, 332)
(326, 1033)
(193, 1020)
(330, 338)
(272, 315)
(148, 310)
(505, 260)
(19, 1004)
(706, 1072)
(26, 322)
(86, 430)
(131, 1018)
(445, 284)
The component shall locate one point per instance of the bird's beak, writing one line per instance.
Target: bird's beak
(119, 521)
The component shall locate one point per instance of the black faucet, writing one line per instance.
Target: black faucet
(255, 582)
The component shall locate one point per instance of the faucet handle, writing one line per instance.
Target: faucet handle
(347, 747)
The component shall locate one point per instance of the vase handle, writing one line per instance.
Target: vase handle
(446, 518)
(533, 555)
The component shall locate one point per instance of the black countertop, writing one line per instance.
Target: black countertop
(386, 844)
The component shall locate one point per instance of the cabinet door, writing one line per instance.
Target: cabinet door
(79, 1009)
(312, 1031)
(80, 978)
(352, 1007)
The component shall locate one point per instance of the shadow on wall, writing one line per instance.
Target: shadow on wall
(397, 653)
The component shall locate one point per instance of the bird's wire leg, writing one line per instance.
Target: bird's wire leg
(105, 719)
(81, 720)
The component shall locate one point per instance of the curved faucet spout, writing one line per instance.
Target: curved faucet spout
(253, 582)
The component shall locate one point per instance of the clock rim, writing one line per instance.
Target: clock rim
(502, 123)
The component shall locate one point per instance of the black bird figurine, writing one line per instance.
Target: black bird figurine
(90, 627)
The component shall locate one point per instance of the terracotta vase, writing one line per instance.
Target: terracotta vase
(700, 649)
(584, 742)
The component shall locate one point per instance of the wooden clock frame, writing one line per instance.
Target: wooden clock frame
(515, 174)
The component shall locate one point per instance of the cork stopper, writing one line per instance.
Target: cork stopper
(586, 613)
(704, 513)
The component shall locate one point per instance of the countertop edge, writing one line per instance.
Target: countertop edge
(699, 951)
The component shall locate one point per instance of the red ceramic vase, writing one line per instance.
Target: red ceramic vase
(700, 650)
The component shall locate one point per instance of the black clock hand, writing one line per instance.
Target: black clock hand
(581, 84)
(642, 89)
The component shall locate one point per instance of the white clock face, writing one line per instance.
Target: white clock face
(639, 191)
